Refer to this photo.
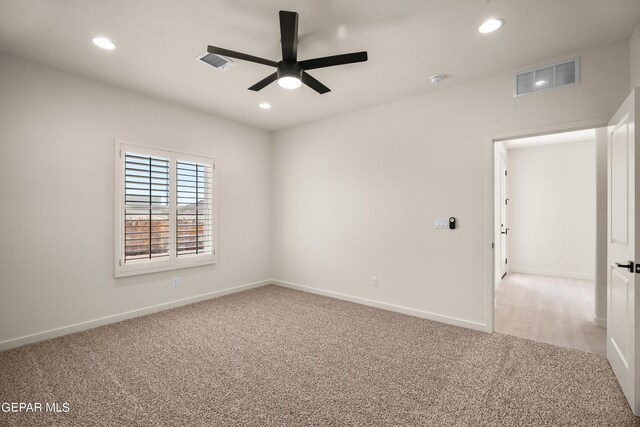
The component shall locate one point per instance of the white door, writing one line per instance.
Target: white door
(623, 307)
(504, 230)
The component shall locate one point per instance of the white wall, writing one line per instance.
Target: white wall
(634, 53)
(57, 136)
(356, 195)
(552, 209)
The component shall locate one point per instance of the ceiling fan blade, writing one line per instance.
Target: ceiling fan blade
(264, 82)
(330, 61)
(289, 35)
(238, 55)
(314, 84)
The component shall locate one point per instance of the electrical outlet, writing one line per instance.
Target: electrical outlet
(374, 281)
(175, 282)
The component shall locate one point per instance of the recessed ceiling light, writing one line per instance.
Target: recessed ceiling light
(264, 105)
(104, 43)
(490, 25)
(289, 82)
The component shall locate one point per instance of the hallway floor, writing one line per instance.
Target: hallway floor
(554, 310)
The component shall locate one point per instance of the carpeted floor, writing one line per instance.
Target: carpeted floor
(273, 356)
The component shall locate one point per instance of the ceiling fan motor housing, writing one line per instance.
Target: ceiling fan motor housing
(289, 69)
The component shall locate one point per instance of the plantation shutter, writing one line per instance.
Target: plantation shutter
(194, 228)
(165, 210)
(146, 207)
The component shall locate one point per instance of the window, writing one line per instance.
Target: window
(165, 211)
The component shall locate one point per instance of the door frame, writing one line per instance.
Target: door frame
(490, 198)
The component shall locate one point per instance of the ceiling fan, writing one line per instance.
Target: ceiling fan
(291, 73)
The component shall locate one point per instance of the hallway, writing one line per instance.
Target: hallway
(555, 310)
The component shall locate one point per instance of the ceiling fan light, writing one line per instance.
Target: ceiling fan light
(289, 82)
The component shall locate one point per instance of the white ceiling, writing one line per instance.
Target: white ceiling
(407, 41)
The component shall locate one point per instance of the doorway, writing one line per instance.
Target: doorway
(545, 232)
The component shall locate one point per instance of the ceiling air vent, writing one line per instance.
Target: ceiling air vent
(548, 77)
(218, 61)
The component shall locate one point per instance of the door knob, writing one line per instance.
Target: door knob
(627, 266)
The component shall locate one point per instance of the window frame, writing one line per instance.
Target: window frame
(173, 261)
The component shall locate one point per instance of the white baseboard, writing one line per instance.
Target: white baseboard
(599, 321)
(552, 273)
(90, 324)
(386, 306)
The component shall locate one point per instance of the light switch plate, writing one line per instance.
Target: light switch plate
(441, 223)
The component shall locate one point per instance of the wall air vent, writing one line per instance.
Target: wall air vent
(565, 73)
(218, 61)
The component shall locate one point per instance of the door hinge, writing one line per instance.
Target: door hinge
(505, 261)
(493, 245)
(506, 201)
(505, 173)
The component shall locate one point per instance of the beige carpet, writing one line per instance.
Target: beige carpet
(273, 356)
